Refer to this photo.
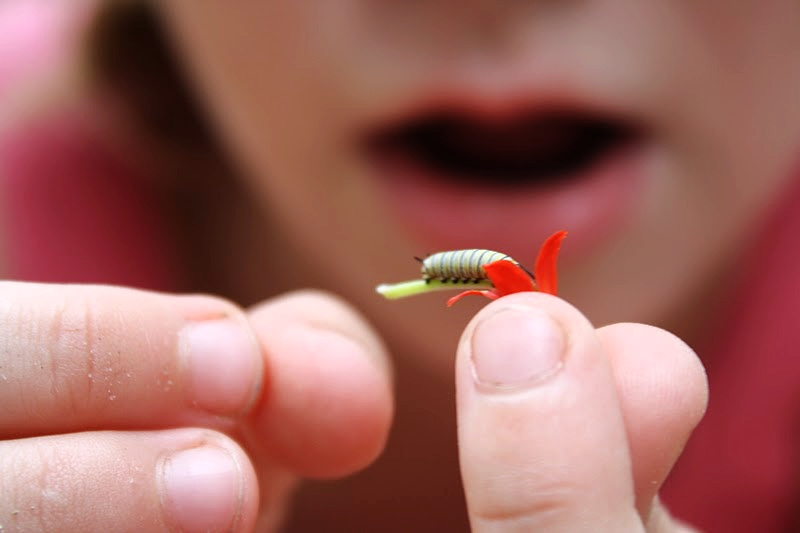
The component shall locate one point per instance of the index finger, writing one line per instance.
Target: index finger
(74, 358)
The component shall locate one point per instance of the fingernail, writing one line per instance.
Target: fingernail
(224, 365)
(515, 348)
(202, 489)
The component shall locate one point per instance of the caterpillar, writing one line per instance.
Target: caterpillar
(462, 265)
(484, 272)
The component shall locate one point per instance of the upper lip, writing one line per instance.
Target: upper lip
(502, 97)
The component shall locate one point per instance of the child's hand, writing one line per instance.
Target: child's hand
(103, 392)
(566, 428)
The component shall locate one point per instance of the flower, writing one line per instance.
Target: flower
(508, 277)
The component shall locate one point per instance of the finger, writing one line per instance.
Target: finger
(663, 393)
(89, 357)
(172, 480)
(541, 435)
(329, 405)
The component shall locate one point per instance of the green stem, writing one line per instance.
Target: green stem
(393, 291)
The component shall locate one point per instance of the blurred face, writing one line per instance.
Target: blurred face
(657, 133)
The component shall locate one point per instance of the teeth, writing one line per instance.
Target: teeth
(532, 148)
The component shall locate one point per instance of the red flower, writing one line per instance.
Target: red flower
(508, 277)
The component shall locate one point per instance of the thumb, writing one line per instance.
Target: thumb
(542, 439)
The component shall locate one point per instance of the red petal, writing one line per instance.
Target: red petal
(488, 293)
(508, 278)
(545, 267)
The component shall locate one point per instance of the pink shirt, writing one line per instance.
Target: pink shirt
(741, 469)
(71, 209)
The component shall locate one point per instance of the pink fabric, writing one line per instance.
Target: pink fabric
(741, 469)
(70, 209)
(73, 211)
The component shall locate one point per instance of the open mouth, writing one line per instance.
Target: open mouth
(535, 148)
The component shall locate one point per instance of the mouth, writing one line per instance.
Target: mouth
(535, 149)
(456, 178)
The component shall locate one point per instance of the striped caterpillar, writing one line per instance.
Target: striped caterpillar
(463, 266)
(481, 272)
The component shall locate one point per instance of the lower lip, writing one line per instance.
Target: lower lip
(445, 215)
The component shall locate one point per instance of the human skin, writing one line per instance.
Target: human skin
(91, 395)
(96, 378)
(292, 86)
(295, 87)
